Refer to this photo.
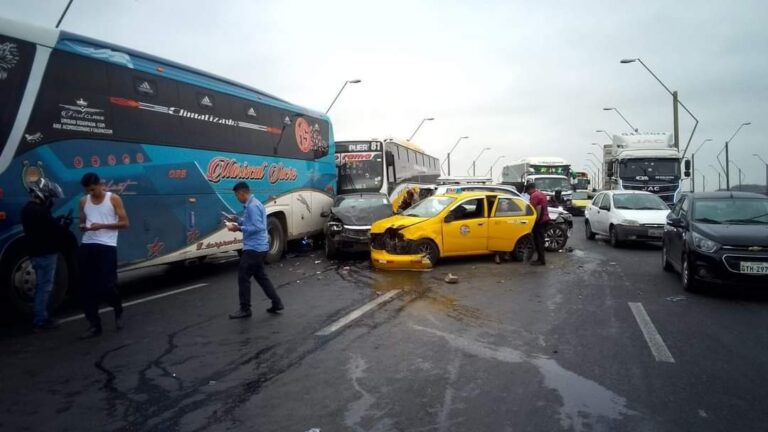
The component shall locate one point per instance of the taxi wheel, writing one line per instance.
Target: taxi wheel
(428, 248)
(524, 249)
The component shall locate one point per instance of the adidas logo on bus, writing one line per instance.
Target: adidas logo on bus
(146, 88)
(206, 101)
(252, 112)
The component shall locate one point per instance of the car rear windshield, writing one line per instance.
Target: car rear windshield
(638, 202)
(738, 211)
(430, 207)
(579, 196)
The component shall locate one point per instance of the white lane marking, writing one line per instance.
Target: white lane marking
(652, 336)
(357, 313)
(141, 300)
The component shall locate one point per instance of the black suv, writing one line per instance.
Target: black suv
(719, 238)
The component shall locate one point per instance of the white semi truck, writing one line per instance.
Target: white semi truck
(551, 175)
(648, 162)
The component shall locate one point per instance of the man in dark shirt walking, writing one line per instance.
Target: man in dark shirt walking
(540, 203)
(44, 235)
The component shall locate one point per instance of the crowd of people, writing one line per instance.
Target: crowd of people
(102, 215)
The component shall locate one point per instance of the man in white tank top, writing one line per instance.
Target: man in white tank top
(101, 214)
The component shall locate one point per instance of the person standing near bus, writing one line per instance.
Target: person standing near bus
(539, 202)
(102, 214)
(253, 225)
(45, 239)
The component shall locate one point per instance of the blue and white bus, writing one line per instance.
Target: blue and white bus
(171, 140)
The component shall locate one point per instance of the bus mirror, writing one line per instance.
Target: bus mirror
(390, 158)
(325, 214)
(687, 165)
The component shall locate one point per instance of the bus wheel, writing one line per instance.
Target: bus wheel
(276, 240)
(18, 281)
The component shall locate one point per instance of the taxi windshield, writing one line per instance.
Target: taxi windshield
(429, 207)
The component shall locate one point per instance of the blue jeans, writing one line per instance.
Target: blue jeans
(45, 270)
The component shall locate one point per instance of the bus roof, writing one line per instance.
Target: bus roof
(53, 38)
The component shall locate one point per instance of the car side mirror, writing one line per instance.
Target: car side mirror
(450, 217)
(676, 222)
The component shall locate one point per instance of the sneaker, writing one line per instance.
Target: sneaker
(92, 332)
(497, 259)
(241, 313)
(275, 309)
(538, 263)
(47, 325)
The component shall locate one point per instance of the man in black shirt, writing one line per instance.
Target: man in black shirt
(44, 236)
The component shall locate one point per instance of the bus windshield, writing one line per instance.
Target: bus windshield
(361, 174)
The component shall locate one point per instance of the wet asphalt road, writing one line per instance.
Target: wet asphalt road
(508, 348)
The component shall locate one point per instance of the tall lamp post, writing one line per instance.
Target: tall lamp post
(622, 116)
(448, 158)
(474, 162)
(419, 126)
(766, 170)
(599, 178)
(727, 167)
(703, 180)
(740, 173)
(693, 164)
(719, 177)
(675, 103)
(355, 81)
(606, 134)
(591, 172)
(490, 170)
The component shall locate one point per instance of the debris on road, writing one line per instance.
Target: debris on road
(676, 298)
(318, 261)
(345, 268)
(451, 278)
(211, 382)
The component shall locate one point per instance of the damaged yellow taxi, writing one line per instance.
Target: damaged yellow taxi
(460, 224)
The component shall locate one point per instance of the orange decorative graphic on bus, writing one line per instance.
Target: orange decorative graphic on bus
(303, 135)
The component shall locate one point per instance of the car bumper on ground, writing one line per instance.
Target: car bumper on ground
(724, 268)
(386, 261)
(640, 233)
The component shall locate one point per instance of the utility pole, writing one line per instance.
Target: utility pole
(727, 169)
(676, 120)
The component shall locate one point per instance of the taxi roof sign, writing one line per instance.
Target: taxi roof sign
(459, 180)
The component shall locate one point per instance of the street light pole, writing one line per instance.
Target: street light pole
(355, 81)
(600, 179)
(766, 171)
(606, 134)
(622, 116)
(475, 161)
(448, 158)
(740, 173)
(693, 164)
(490, 171)
(676, 101)
(719, 179)
(727, 167)
(703, 180)
(419, 126)
(596, 158)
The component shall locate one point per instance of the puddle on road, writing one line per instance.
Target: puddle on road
(582, 399)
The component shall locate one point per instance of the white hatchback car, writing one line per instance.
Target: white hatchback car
(626, 216)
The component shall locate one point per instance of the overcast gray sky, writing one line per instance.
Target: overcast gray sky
(526, 78)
